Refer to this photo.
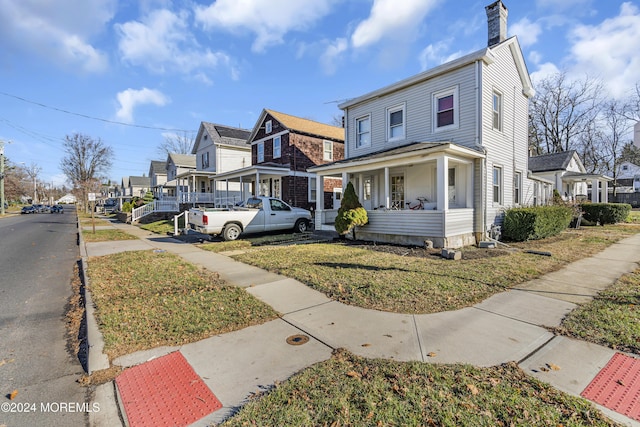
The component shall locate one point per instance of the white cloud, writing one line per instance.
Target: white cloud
(269, 20)
(129, 99)
(60, 31)
(332, 55)
(609, 50)
(162, 42)
(526, 31)
(544, 71)
(391, 19)
(575, 6)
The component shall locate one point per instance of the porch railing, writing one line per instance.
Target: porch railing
(155, 206)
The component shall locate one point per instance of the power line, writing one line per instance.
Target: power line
(91, 117)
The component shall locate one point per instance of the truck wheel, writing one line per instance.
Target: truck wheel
(301, 226)
(231, 232)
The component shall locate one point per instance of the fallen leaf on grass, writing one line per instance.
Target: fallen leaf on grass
(473, 389)
(353, 374)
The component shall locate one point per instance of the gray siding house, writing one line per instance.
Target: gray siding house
(440, 155)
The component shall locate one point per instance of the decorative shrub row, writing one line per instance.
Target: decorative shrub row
(605, 213)
(533, 223)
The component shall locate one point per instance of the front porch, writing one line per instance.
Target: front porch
(426, 191)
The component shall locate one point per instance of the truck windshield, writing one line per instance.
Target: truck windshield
(254, 204)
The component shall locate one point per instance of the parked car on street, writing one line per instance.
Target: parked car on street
(29, 210)
(57, 209)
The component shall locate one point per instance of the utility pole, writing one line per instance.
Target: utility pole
(2, 176)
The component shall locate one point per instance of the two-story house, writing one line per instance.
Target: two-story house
(440, 155)
(283, 147)
(218, 149)
(158, 178)
(178, 168)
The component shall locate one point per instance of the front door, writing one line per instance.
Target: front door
(367, 191)
(337, 198)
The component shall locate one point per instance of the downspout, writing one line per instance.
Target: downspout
(483, 163)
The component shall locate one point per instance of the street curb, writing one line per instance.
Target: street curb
(96, 359)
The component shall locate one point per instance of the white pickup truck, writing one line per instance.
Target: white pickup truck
(257, 215)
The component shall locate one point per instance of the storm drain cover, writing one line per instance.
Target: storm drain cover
(297, 339)
(617, 386)
(165, 392)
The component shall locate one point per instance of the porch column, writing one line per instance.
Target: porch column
(470, 175)
(319, 201)
(360, 187)
(595, 191)
(241, 189)
(605, 192)
(442, 183)
(256, 189)
(387, 197)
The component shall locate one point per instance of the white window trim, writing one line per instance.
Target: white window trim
(456, 109)
(311, 185)
(517, 174)
(358, 120)
(259, 151)
(325, 152)
(279, 154)
(500, 112)
(500, 202)
(390, 110)
(268, 126)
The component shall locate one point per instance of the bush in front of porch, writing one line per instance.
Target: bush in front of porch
(351, 213)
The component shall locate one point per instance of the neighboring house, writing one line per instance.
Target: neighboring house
(283, 147)
(627, 170)
(218, 149)
(568, 175)
(627, 179)
(138, 186)
(158, 178)
(178, 168)
(455, 135)
(124, 187)
(67, 199)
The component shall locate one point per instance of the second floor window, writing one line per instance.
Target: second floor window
(363, 132)
(328, 150)
(205, 160)
(277, 149)
(395, 120)
(445, 105)
(260, 152)
(497, 111)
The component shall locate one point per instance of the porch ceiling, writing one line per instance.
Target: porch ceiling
(579, 177)
(418, 152)
(251, 171)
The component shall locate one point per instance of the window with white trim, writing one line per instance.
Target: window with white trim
(277, 147)
(497, 184)
(445, 109)
(260, 150)
(363, 132)
(395, 123)
(268, 126)
(517, 188)
(327, 150)
(497, 110)
(205, 159)
(312, 189)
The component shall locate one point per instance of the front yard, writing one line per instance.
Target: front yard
(415, 280)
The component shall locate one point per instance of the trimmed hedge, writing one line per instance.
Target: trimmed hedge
(533, 223)
(605, 213)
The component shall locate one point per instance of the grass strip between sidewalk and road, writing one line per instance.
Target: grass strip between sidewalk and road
(347, 390)
(147, 299)
(366, 277)
(106, 235)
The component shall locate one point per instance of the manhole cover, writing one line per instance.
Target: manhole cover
(297, 339)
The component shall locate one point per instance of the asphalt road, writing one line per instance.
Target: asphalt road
(37, 256)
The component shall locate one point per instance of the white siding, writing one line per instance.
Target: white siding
(417, 100)
(506, 148)
(231, 158)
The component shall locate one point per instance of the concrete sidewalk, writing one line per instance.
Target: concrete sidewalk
(510, 326)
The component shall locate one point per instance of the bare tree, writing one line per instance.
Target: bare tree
(16, 182)
(561, 112)
(86, 162)
(176, 143)
(616, 128)
(33, 171)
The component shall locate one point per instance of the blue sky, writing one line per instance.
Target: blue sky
(130, 72)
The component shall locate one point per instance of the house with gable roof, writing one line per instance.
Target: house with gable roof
(158, 178)
(282, 148)
(178, 167)
(441, 155)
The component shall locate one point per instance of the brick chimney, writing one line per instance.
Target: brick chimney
(497, 22)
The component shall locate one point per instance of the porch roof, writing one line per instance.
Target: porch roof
(415, 151)
(253, 170)
(196, 173)
(578, 176)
